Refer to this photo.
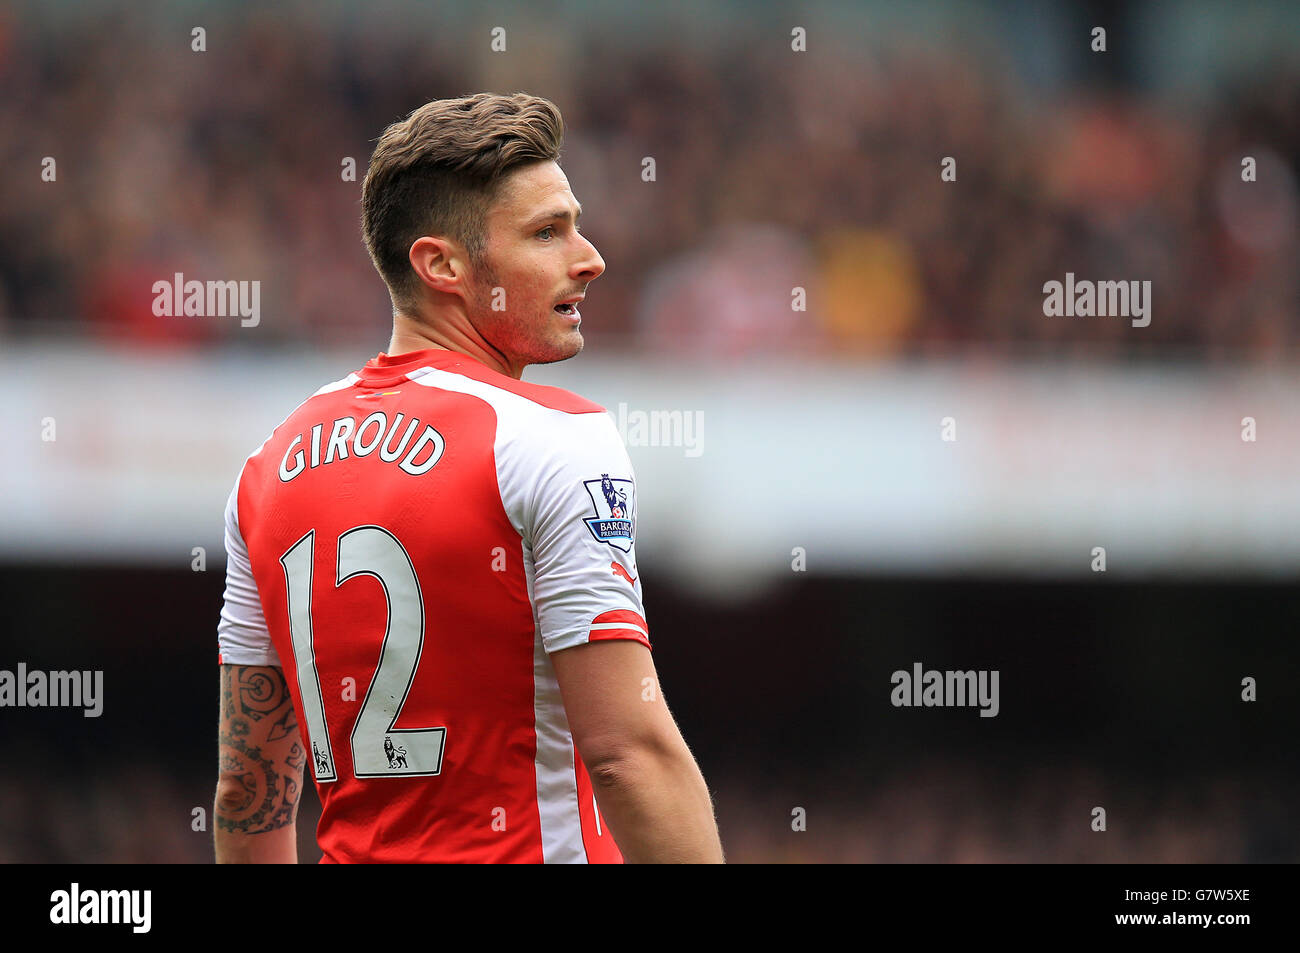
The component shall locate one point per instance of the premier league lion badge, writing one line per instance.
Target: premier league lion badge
(614, 501)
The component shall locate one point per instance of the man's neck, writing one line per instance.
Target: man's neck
(412, 334)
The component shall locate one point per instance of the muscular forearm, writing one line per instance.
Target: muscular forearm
(261, 768)
(658, 808)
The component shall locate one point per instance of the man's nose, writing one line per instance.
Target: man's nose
(590, 265)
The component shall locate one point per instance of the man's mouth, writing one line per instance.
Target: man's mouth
(569, 306)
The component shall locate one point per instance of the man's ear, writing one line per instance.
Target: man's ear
(438, 263)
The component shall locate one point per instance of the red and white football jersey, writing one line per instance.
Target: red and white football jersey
(410, 545)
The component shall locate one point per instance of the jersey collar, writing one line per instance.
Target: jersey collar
(384, 369)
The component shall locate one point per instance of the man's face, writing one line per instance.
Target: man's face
(535, 258)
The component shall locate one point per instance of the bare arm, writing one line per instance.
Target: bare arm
(261, 768)
(646, 781)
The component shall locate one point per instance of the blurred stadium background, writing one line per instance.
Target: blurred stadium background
(821, 534)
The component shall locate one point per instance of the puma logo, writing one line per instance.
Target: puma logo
(620, 571)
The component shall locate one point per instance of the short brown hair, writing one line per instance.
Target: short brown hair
(438, 171)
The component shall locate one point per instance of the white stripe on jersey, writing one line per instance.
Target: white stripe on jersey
(557, 784)
(242, 636)
(620, 625)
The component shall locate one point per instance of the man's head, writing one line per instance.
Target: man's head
(465, 211)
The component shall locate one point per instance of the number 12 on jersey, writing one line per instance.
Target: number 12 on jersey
(378, 750)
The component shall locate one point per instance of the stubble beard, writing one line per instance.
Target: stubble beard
(515, 337)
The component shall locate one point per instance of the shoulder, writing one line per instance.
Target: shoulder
(498, 389)
(532, 418)
(550, 397)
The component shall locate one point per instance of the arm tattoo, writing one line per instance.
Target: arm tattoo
(261, 759)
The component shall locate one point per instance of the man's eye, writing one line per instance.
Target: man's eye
(548, 228)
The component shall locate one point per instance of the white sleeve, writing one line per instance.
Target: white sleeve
(242, 634)
(581, 529)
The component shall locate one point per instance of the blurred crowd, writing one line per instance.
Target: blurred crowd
(773, 171)
(930, 812)
(948, 811)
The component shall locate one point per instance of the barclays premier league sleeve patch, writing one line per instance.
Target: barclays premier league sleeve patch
(614, 501)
